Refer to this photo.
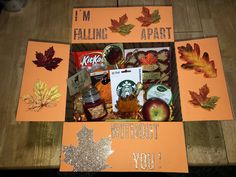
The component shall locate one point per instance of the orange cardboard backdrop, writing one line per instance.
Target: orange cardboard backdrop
(92, 22)
(190, 81)
(167, 144)
(56, 77)
(168, 148)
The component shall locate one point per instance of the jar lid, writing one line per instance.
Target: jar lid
(90, 95)
(159, 91)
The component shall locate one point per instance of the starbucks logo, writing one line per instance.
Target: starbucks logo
(125, 88)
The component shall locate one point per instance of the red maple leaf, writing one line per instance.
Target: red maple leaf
(149, 59)
(47, 60)
(149, 18)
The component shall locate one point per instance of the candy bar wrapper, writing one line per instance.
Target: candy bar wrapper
(78, 82)
(154, 61)
(93, 62)
(123, 83)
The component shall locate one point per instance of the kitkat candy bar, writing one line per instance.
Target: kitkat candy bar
(91, 60)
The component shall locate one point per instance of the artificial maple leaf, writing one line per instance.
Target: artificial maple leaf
(194, 61)
(149, 18)
(202, 100)
(149, 59)
(46, 60)
(89, 155)
(120, 26)
(42, 97)
(163, 55)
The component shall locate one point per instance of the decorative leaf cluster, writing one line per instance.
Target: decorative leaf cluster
(47, 60)
(42, 97)
(202, 100)
(194, 61)
(88, 155)
(149, 18)
(121, 26)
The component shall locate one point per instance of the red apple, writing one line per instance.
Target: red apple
(156, 109)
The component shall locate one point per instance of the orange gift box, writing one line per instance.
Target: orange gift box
(197, 83)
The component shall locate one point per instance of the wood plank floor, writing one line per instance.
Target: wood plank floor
(37, 145)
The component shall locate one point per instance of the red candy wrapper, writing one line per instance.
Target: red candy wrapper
(93, 62)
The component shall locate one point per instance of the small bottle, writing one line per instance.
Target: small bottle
(94, 107)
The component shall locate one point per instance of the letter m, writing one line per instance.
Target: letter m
(86, 15)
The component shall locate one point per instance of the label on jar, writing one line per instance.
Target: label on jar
(97, 112)
(160, 91)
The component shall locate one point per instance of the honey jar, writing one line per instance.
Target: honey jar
(94, 107)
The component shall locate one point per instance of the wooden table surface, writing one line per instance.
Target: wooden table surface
(37, 145)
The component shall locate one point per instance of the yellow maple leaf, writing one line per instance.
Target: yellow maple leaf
(42, 96)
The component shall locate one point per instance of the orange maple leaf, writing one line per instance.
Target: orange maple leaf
(194, 61)
(149, 59)
(120, 25)
(202, 98)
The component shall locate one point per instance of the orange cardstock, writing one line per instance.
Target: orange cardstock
(129, 146)
(92, 25)
(143, 146)
(56, 77)
(189, 80)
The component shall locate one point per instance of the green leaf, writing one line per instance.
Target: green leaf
(210, 103)
(125, 29)
(155, 16)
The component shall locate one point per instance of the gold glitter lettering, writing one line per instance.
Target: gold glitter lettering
(126, 127)
(151, 161)
(136, 157)
(155, 131)
(114, 131)
(134, 131)
(131, 131)
(144, 161)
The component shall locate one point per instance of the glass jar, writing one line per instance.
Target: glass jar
(94, 107)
